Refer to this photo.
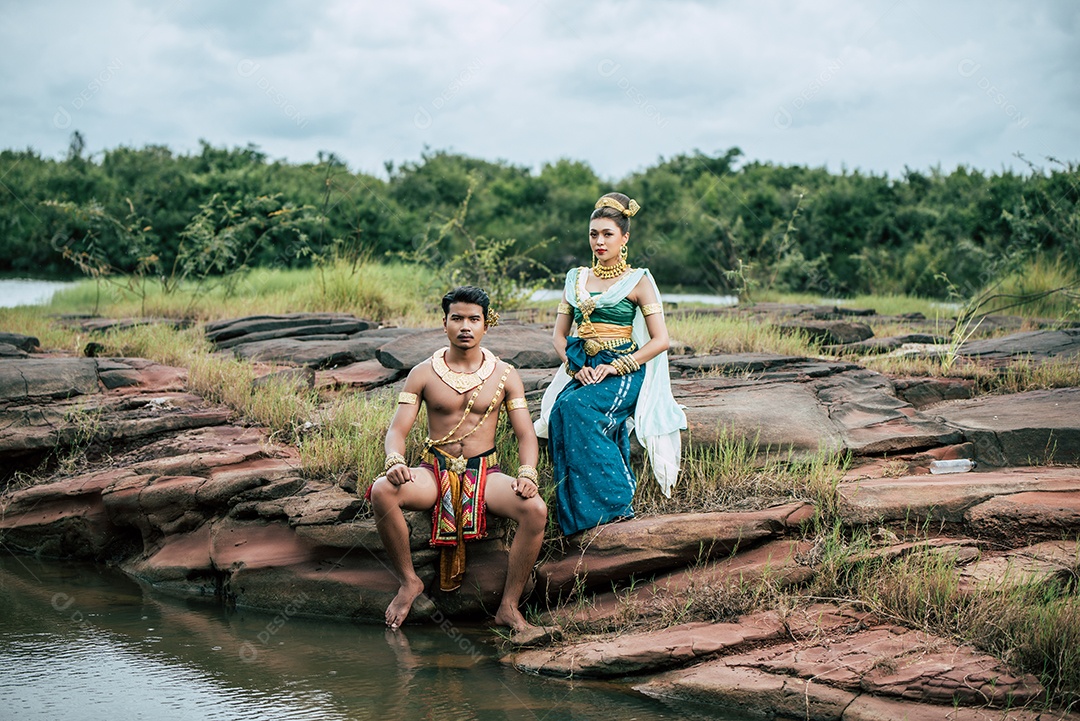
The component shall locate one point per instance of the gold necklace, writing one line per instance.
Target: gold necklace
(604, 272)
(462, 382)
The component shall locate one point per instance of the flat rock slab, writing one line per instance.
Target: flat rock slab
(651, 651)
(1030, 514)
(297, 323)
(616, 551)
(824, 676)
(1021, 428)
(944, 498)
(775, 562)
(1034, 564)
(924, 392)
(840, 408)
(363, 375)
(732, 363)
(829, 332)
(312, 353)
(46, 378)
(522, 346)
(25, 343)
(1037, 346)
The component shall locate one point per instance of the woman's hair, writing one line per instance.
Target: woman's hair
(620, 218)
(466, 294)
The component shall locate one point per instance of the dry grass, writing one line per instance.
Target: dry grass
(723, 334)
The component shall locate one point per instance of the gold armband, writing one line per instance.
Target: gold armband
(652, 308)
(565, 309)
(409, 399)
(512, 404)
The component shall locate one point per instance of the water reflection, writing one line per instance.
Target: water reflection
(87, 642)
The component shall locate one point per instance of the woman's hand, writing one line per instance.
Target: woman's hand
(588, 376)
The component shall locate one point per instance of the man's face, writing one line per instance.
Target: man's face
(464, 324)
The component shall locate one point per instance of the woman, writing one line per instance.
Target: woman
(615, 380)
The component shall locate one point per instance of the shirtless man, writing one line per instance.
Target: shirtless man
(464, 388)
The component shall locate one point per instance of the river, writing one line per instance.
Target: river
(86, 642)
(27, 291)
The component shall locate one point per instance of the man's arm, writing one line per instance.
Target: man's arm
(408, 408)
(521, 422)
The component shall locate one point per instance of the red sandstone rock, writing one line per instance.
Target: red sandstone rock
(358, 376)
(640, 546)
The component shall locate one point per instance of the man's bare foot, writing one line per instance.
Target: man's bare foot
(399, 608)
(510, 617)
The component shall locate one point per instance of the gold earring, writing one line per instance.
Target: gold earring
(623, 252)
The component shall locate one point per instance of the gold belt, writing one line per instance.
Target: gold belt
(594, 346)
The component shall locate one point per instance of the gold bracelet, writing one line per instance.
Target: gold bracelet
(409, 399)
(512, 404)
(528, 472)
(652, 308)
(569, 371)
(564, 309)
(392, 460)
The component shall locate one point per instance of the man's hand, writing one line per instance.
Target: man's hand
(399, 474)
(524, 487)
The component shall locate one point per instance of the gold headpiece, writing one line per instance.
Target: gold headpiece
(609, 202)
(492, 318)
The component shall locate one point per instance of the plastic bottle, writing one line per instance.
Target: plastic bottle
(958, 465)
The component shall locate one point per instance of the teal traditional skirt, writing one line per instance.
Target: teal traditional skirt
(590, 446)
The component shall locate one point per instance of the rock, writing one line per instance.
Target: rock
(224, 330)
(650, 651)
(616, 551)
(359, 376)
(732, 363)
(47, 378)
(9, 351)
(842, 408)
(1031, 514)
(25, 343)
(924, 392)
(1039, 563)
(1021, 428)
(314, 353)
(946, 498)
(1036, 346)
(330, 328)
(776, 562)
(884, 345)
(829, 332)
(822, 677)
(294, 377)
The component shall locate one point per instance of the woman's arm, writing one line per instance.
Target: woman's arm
(563, 323)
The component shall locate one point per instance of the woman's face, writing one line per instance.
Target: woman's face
(605, 239)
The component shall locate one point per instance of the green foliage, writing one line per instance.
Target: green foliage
(709, 221)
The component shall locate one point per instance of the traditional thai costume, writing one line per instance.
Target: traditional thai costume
(588, 426)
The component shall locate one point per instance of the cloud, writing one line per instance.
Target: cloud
(878, 85)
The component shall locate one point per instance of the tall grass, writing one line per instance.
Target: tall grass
(735, 473)
(722, 334)
(395, 294)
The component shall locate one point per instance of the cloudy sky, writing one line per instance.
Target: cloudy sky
(874, 84)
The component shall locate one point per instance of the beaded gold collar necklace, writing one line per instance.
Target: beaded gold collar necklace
(604, 272)
(462, 382)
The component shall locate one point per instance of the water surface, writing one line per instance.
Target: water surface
(26, 291)
(85, 642)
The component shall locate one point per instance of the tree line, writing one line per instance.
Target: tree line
(709, 222)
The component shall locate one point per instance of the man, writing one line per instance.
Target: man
(464, 387)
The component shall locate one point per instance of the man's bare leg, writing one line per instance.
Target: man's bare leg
(531, 517)
(388, 501)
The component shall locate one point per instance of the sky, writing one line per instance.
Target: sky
(873, 85)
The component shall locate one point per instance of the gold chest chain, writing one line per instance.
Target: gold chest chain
(459, 462)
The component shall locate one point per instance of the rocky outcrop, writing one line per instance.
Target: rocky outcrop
(188, 502)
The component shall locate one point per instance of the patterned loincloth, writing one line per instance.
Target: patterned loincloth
(460, 514)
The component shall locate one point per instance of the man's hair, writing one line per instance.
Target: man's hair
(466, 294)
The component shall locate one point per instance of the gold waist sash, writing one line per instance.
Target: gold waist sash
(605, 331)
